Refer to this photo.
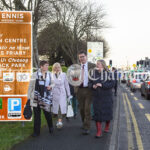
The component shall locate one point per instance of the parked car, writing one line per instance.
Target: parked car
(145, 88)
(136, 81)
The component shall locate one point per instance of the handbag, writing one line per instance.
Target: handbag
(27, 110)
(70, 112)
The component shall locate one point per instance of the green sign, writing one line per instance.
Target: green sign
(0, 103)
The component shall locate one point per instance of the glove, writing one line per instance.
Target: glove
(69, 98)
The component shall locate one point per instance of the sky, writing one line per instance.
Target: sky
(129, 35)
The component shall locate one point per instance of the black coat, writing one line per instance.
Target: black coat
(103, 97)
(116, 77)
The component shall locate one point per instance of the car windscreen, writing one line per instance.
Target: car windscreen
(141, 76)
(138, 76)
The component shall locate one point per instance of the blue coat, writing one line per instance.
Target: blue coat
(103, 97)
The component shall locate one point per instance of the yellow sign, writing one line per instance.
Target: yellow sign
(134, 65)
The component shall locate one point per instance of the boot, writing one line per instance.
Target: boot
(107, 126)
(99, 130)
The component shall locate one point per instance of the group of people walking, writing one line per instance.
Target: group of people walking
(49, 91)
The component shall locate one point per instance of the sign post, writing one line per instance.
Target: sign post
(15, 63)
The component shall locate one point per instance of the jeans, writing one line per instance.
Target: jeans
(74, 105)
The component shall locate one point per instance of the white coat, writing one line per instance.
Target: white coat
(60, 91)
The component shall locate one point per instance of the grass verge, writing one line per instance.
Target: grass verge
(12, 133)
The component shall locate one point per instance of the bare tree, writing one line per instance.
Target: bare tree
(80, 18)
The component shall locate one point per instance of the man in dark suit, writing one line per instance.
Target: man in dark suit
(84, 93)
(114, 70)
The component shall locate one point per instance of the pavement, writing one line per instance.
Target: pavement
(71, 138)
(130, 129)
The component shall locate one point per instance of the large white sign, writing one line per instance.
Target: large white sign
(94, 51)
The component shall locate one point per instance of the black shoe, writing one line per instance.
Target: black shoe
(51, 130)
(97, 137)
(35, 135)
(67, 119)
(86, 132)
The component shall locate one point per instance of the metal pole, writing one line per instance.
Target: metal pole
(23, 124)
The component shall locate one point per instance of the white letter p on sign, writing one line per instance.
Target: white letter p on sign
(14, 103)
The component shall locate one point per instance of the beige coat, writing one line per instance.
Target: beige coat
(60, 92)
(31, 89)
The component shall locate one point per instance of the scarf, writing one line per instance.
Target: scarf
(41, 94)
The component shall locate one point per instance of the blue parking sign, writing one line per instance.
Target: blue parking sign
(14, 108)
